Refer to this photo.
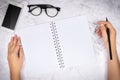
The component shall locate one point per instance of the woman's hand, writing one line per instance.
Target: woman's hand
(113, 65)
(101, 31)
(15, 57)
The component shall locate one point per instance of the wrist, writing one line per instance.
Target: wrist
(113, 46)
(14, 72)
(15, 75)
(114, 49)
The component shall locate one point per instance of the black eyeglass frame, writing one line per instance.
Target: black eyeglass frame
(43, 6)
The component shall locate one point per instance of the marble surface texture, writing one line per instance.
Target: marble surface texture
(94, 9)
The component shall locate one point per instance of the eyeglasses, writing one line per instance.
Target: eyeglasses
(50, 10)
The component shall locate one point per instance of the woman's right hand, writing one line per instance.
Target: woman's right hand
(113, 71)
(101, 31)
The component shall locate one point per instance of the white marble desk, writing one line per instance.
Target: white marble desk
(95, 10)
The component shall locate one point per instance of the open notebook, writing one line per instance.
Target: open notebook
(56, 45)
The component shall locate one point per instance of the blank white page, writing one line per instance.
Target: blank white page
(40, 56)
(75, 40)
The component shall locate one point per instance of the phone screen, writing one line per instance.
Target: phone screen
(11, 16)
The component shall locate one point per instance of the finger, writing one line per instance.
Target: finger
(98, 31)
(21, 53)
(102, 28)
(10, 43)
(107, 24)
(103, 22)
(14, 41)
(16, 49)
(18, 41)
(99, 34)
(104, 33)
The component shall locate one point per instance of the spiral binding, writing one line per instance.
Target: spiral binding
(57, 44)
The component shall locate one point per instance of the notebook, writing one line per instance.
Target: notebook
(57, 45)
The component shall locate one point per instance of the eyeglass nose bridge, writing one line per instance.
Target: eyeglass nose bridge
(44, 6)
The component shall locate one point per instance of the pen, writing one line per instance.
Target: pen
(109, 43)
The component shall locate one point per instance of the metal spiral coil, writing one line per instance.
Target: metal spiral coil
(57, 45)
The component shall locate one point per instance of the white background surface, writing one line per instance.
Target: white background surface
(95, 10)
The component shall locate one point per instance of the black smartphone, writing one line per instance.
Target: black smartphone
(12, 15)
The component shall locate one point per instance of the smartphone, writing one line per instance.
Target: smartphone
(11, 18)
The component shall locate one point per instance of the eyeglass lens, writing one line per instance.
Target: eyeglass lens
(35, 10)
(51, 12)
